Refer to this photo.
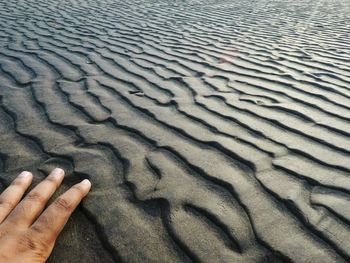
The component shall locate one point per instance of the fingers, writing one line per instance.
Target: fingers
(27, 211)
(53, 219)
(14, 193)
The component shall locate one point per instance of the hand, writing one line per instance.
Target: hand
(27, 234)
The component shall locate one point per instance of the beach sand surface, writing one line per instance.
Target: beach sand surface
(212, 131)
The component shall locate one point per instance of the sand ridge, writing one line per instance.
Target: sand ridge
(212, 131)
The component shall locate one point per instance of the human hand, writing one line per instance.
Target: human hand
(27, 234)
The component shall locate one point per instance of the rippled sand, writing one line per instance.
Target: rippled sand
(212, 131)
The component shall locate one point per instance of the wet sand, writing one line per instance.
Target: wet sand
(212, 131)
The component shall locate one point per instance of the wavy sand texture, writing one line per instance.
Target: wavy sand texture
(213, 131)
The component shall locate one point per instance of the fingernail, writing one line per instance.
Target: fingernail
(57, 172)
(86, 183)
(24, 174)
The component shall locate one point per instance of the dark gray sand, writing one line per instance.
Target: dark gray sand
(212, 131)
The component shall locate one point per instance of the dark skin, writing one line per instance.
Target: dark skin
(28, 231)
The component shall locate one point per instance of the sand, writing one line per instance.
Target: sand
(212, 131)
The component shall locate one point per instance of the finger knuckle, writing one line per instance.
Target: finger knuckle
(78, 188)
(6, 204)
(63, 204)
(52, 180)
(38, 228)
(27, 242)
(17, 182)
(42, 224)
(35, 197)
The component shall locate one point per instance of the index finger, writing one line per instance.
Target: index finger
(51, 222)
